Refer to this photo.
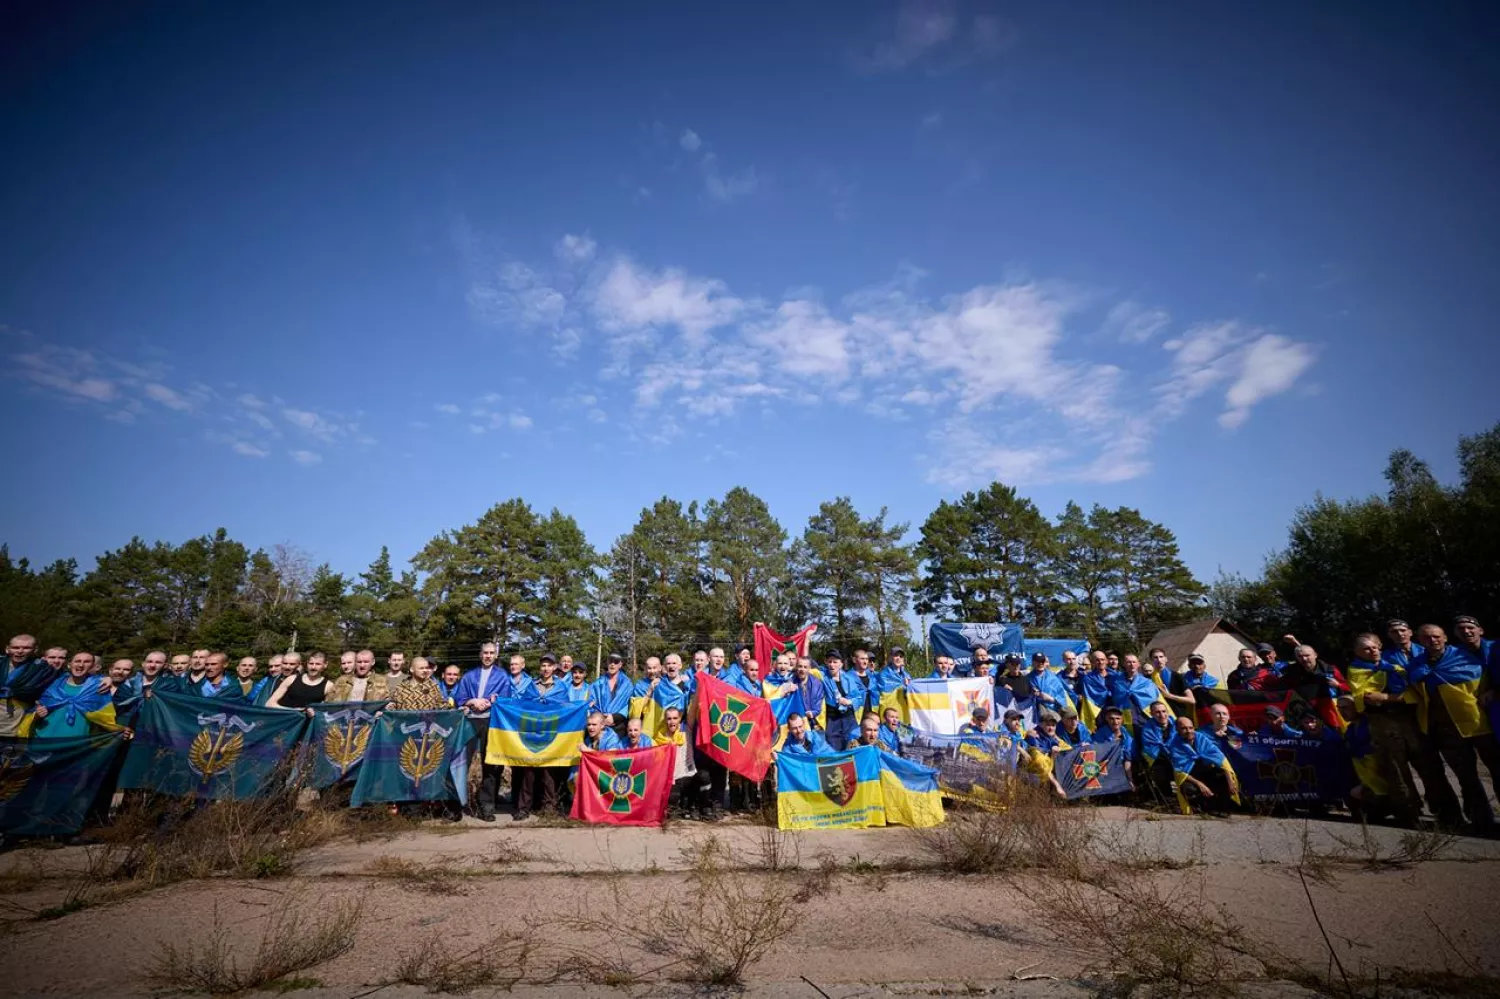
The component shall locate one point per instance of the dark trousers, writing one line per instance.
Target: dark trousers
(1217, 781)
(523, 781)
(1462, 755)
(714, 774)
(1397, 748)
(842, 730)
(490, 774)
(684, 796)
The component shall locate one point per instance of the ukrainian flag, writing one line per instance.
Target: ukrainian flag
(911, 792)
(652, 710)
(839, 790)
(535, 733)
(1454, 680)
(88, 700)
(899, 699)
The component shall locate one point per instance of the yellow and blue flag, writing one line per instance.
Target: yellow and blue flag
(839, 790)
(535, 733)
(943, 706)
(910, 791)
(650, 705)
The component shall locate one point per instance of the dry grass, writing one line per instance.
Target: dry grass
(298, 935)
(710, 930)
(435, 877)
(1026, 829)
(502, 961)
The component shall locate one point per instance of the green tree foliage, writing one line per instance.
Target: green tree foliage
(512, 578)
(748, 560)
(658, 580)
(988, 557)
(1422, 552)
(856, 572)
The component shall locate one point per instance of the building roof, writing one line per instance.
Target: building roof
(1181, 641)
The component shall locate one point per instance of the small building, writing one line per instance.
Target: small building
(1213, 638)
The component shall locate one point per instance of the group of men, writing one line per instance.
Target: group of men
(1409, 704)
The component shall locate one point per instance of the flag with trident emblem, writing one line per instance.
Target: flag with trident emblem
(416, 756)
(184, 746)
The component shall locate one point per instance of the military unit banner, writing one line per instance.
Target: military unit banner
(190, 746)
(838, 791)
(1247, 708)
(626, 787)
(958, 641)
(736, 728)
(337, 739)
(968, 767)
(48, 785)
(1091, 769)
(415, 756)
(943, 706)
(768, 645)
(1289, 770)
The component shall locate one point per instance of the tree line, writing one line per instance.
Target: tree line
(684, 575)
(1422, 552)
(687, 575)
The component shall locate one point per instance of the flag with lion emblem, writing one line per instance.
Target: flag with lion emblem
(416, 756)
(838, 790)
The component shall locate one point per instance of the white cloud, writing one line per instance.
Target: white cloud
(519, 421)
(306, 457)
(66, 371)
(921, 26)
(597, 416)
(932, 119)
(167, 397)
(1272, 364)
(803, 339)
(575, 249)
(251, 401)
(690, 140)
(723, 187)
(1132, 322)
(447, 408)
(491, 398)
(633, 298)
(250, 450)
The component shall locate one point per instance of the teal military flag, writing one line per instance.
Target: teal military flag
(187, 745)
(336, 741)
(416, 756)
(47, 785)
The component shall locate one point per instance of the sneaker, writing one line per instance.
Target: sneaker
(485, 816)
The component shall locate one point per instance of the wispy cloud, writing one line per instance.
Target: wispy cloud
(306, 457)
(690, 140)
(249, 450)
(938, 33)
(1132, 322)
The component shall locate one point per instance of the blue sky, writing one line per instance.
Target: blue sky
(347, 279)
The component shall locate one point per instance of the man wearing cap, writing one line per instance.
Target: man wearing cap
(1252, 673)
(1070, 729)
(1276, 726)
(895, 676)
(578, 688)
(1013, 727)
(611, 694)
(1012, 679)
(1449, 681)
(1112, 729)
(979, 663)
(1399, 649)
(843, 714)
(1046, 686)
(1181, 686)
(978, 723)
(546, 686)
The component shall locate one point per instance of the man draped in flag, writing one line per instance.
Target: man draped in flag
(769, 645)
(1200, 771)
(842, 725)
(802, 738)
(611, 694)
(1449, 681)
(864, 684)
(1132, 692)
(74, 705)
(1049, 690)
(1095, 689)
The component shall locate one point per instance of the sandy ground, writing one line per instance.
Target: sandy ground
(885, 927)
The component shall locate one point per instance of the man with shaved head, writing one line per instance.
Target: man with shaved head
(23, 677)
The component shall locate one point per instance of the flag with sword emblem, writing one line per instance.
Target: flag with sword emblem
(185, 745)
(416, 756)
(337, 739)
